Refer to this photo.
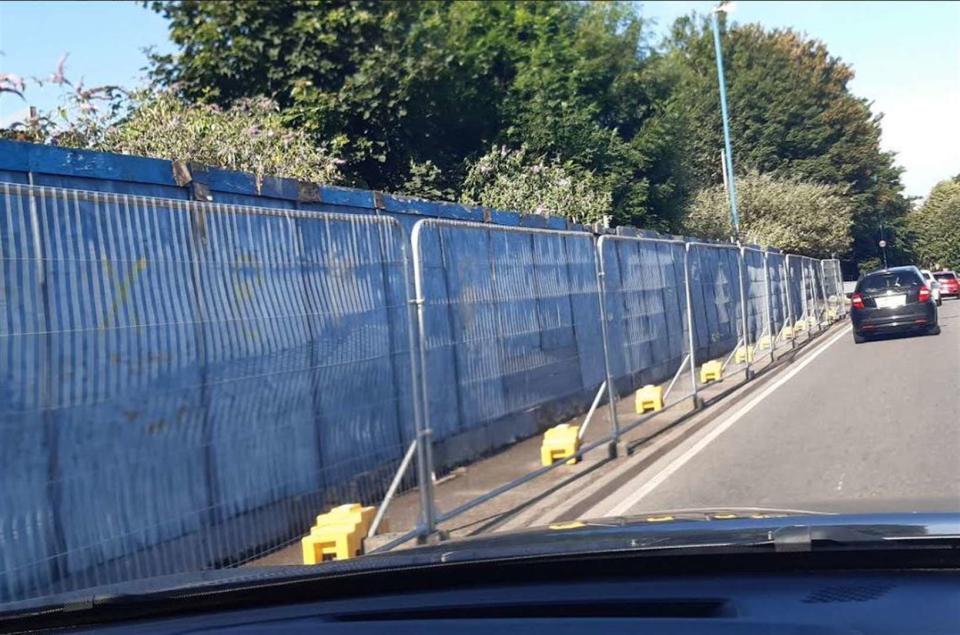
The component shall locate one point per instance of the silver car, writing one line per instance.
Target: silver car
(933, 284)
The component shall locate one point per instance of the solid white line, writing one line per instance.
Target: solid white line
(624, 505)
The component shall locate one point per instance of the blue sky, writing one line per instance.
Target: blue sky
(906, 56)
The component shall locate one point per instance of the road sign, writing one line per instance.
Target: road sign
(883, 243)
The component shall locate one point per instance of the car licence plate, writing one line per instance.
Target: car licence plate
(891, 301)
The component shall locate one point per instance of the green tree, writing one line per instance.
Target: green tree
(794, 215)
(934, 224)
(791, 114)
(395, 85)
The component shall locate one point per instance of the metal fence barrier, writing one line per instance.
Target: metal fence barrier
(511, 333)
(646, 310)
(186, 385)
(833, 286)
(716, 289)
(761, 328)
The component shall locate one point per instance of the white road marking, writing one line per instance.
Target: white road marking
(624, 505)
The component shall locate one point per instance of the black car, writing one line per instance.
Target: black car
(891, 301)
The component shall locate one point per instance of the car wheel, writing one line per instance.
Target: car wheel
(934, 330)
(859, 339)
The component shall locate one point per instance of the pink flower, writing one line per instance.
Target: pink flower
(57, 77)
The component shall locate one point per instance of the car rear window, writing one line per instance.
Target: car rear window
(880, 282)
(945, 276)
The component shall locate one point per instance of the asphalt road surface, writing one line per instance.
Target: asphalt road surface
(847, 428)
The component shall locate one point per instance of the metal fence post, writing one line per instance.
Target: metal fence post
(424, 441)
(690, 326)
(742, 266)
(611, 390)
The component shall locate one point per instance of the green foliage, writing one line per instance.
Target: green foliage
(792, 115)
(935, 226)
(516, 180)
(411, 95)
(395, 85)
(794, 215)
(426, 181)
(249, 136)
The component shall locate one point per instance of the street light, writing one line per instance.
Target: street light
(725, 7)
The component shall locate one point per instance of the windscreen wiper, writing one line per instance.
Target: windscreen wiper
(799, 538)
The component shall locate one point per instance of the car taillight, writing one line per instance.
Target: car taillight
(857, 300)
(924, 295)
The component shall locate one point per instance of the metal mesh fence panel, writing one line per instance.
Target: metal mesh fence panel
(186, 385)
(645, 308)
(797, 288)
(715, 298)
(510, 329)
(780, 313)
(833, 284)
(756, 289)
(817, 302)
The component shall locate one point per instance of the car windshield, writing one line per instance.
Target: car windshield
(286, 284)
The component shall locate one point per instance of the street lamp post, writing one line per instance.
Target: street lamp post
(734, 216)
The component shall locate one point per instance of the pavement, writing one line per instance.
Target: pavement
(849, 428)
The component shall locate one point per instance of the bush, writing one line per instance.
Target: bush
(250, 136)
(512, 180)
(796, 216)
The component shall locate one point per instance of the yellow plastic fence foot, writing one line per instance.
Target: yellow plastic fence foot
(765, 342)
(801, 325)
(338, 534)
(787, 332)
(832, 314)
(744, 353)
(649, 399)
(711, 371)
(560, 442)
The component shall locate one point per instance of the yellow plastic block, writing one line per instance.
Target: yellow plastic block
(560, 442)
(338, 534)
(743, 354)
(801, 325)
(711, 371)
(787, 332)
(649, 399)
(832, 314)
(765, 342)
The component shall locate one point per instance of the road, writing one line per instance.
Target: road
(855, 428)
